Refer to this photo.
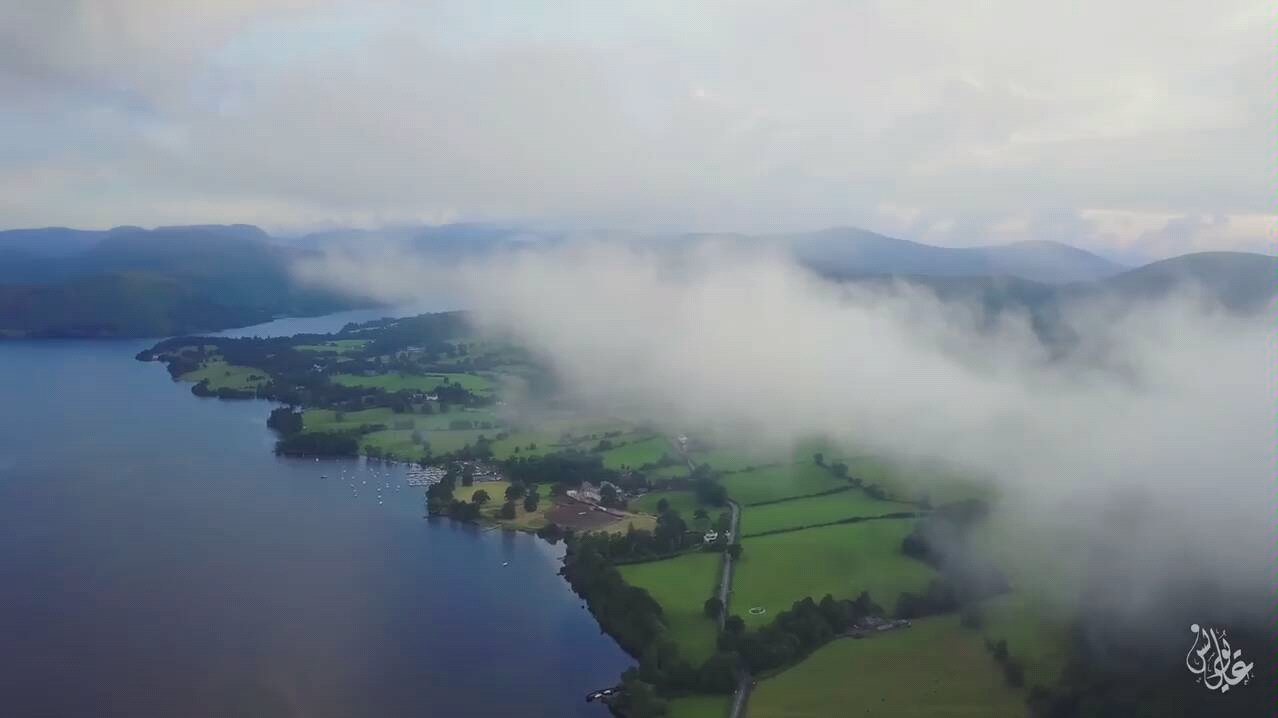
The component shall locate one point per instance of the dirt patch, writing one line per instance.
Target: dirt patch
(579, 516)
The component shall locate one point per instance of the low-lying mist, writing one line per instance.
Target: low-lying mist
(1151, 439)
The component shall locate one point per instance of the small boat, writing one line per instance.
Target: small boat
(505, 563)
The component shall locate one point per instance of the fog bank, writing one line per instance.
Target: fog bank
(1166, 406)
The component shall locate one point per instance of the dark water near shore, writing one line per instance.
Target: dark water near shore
(157, 560)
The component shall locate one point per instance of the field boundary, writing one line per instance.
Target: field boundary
(827, 492)
(837, 522)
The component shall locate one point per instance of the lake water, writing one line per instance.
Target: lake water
(157, 560)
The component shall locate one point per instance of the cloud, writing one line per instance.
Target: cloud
(1168, 402)
(724, 116)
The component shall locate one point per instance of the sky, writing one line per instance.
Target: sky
(1138, 129)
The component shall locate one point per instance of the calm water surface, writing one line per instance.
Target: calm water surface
(157, 560)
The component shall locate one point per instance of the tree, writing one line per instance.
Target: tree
(700, 515)
(735, 551)
(719, 673)
(713, 607)
(507, 511)
(285, 421)
(972, 616)
(663, 505)
(608, 495)
(531, 501)
(516, 491)
(734, 625)
(468, 474)
(1014, 673)
(480, 497)
(724, 522)
(818, 458)
(839, 469)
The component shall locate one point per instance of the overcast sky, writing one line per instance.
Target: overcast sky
(1134, 127)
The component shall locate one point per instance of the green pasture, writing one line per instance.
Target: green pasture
(815, 510)
(221, 375)
(682, 585)
(779, 482)
(934, 668)
(843, 560)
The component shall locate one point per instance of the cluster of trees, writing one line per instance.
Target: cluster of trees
(202, 389)
(627, 613)
(941, 540)
(440, 500)
(303, 377)
(285, 421)
(318, 443)
(566, 467)
(1012, 669)
(840, 470)
(796, 633)
(670, 536)
(631, 616)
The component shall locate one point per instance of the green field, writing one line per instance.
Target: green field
(221, 375)
(400, 442)
(326, 419)
(1038, 644)
(338, 346)
(682, 585)
(775, 571)
(676, 471)
(636, 452)
(700, 707)
(905, 483)
(815, 510)
(779, 482)
(726, 459)
(545, 442)
(934, 668)
(416, 382)
(685, 502)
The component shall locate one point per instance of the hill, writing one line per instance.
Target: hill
(857, 251)
(129, 282)
(1240, 282)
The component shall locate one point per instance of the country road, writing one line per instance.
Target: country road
(725, 578)
(745, 682)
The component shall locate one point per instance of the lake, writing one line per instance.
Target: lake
(159, 560)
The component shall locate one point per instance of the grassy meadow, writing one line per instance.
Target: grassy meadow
(844, 560)
(338, 346)
(814, 510)
(221, 375)
(637, 451)
(934, 668)
(779, 482)
(682, 585)
(700, 707)
(416, 382)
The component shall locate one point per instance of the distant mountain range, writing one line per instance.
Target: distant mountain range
(133, 282)
(130, 281)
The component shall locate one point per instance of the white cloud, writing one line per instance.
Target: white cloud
(716, 115)
(1169, 401)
